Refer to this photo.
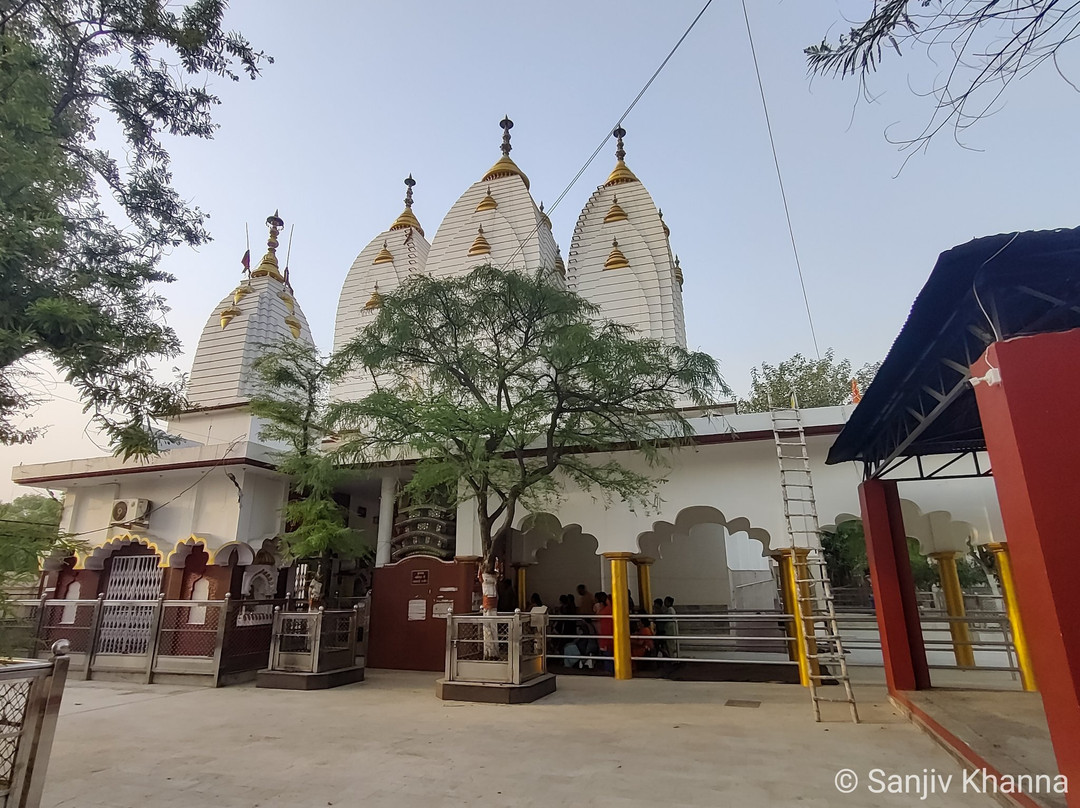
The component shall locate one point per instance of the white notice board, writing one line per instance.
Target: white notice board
(418, 609)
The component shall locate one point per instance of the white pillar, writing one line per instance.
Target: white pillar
(386, 520)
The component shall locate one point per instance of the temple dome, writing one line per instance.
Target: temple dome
(387, 260)
(495, 221)
(620, 258)
(260, 312)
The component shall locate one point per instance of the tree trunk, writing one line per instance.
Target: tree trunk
(490, 604)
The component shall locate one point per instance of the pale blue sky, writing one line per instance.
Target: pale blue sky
(361, 94)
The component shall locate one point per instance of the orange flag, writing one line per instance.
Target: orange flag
(856, 396)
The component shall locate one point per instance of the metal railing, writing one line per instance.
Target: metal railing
(30, 694)
(735, 637)
(202, 640)
(314, 642)
(509, 648)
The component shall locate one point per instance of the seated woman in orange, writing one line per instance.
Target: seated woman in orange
(641, 644)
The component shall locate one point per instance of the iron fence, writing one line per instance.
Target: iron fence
(315, 641)
(498, 648)
(30, 694)
(201, 640)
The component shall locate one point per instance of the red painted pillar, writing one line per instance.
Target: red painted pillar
(1031, 420)
(894, 588)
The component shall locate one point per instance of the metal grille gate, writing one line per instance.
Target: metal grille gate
(125, 628)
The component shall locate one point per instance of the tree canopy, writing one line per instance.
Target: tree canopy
(844, 548)
(982, 46)
(502, 384)
(294, 380)
(824, 382)
(29, 532)
(77, 279)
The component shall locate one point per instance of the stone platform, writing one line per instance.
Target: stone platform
(494, 693)
(286, 680)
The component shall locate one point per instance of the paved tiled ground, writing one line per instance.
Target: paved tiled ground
(390, 742)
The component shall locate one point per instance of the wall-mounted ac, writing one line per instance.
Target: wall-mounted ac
(128, 511)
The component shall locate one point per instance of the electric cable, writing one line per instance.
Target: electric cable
(780, 180)
(608, 134)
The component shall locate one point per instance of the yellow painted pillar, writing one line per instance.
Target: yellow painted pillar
(523, 598)
(620, 614)
(1012, 608)
(798, 578)
(787, 601)
(644, 584)
(954, 607)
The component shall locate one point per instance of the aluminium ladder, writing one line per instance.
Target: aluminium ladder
(814, 606)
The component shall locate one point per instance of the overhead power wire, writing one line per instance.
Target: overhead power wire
(608, 133)
(780, 180)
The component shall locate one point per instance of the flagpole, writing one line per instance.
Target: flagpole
(288, 252)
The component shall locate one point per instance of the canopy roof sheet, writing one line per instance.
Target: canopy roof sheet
(990, 289)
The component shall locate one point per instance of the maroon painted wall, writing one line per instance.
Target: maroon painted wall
(418, 644)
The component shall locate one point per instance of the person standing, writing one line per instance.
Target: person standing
(586, 602)
(605, 628)
(673, 625)
(664, 647)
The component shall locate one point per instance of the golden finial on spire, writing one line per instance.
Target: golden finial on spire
(616, 259)
(480, 246)
(620, 173)
(544, 217)
(488, 202)
(375, 300)
(504, 166)
(408, 219)
(384, 256)
(269, 264)
(616, 214)
(667, 230)
(678, 272)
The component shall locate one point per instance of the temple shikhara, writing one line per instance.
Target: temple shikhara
(200, 521)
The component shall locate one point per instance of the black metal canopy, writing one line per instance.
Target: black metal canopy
(990, 289)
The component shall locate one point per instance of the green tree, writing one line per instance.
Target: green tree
(77, 280)
(503, 386)
(29, 533)
(293, 402)
(844, 549)
(821, 382)
(982, 47)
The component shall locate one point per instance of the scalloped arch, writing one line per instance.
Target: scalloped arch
(933, 530)
(183, 549)
(220, 556)
(95, 559)
(539, 530)
(649, 541)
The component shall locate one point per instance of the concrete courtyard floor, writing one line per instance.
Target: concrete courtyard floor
(390, 742)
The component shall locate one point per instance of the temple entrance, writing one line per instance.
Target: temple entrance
(132, 573)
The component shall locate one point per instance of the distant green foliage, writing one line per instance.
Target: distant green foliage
(295, 386)
(30, 532)
(844, 549)
(505, 385)
(821, 382)
(77, 279)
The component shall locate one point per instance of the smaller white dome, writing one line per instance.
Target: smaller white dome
(256, 315)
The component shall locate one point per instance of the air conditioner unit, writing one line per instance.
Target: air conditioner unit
(126, 511)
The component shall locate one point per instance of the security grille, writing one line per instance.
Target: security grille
(125, 628)
(134, 578)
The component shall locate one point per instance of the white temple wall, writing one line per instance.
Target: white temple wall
(261, 507)
(207, 509)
